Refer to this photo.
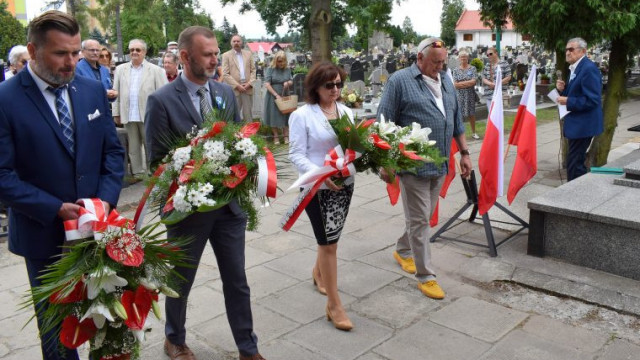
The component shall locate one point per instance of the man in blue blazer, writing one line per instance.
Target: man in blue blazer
(173, 110)
(90, 67)
(57, 145)
(583, 98)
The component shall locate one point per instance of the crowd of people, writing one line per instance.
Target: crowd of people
(73, 105)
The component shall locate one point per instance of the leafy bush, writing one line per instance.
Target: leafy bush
(478, 64)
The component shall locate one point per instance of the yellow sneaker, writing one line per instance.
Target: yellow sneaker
(407, 264)
(431, 289)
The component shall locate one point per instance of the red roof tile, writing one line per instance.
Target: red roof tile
(470, 20)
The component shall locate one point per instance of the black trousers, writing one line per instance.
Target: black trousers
(576, 157)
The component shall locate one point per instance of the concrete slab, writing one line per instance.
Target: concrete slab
(297, 264)
(568, 336)
(358, 279)
(520, 345)
(427, 340)
(479, 319)
(263, 281)
(287, 350)
(620, 350)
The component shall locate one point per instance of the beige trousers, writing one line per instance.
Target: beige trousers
(245, 103)
(136, 137)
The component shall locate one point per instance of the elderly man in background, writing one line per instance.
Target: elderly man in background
(583, 97)
(424, 94)
(18, 59)
(170, 65)
(239, 71)
(91, 68)
(135, 81)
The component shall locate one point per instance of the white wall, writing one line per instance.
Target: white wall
(483, 38)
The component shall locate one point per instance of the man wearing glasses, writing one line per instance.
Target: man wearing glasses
(135, 81)
(18, 59)
(583, 98)
(90, 67)
(424, 94)
(489, 74)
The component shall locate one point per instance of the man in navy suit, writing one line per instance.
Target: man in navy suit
(174, 110)
(583, 98)
(57, 145)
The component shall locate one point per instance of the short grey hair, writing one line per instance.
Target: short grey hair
(144, 44)
(174, 57)
(463, 53)
(16, 52)
(423, 47)
(580, 41)
(84, 43)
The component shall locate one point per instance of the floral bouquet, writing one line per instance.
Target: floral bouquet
(104, 287)
(213, 165)
(351, 98)
(367, 146)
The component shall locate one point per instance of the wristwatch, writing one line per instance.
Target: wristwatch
(464, 152)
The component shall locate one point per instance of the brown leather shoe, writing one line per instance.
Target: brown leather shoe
(178, 352)
(252, 357)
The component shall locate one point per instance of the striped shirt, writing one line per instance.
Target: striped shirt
(407, 99)
(134, 89)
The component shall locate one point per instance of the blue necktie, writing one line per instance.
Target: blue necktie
(64, 116)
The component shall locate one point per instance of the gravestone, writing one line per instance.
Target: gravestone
(375, 63)
(347, 68)
(377, 79)
(357, 71)
(258, 99)
(298, 86)
(358, 86)
(369, 58)
(391, 66)
(301, 59)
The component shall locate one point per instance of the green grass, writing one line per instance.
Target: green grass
(543, 116)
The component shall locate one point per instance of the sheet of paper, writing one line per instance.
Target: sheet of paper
(562, 109)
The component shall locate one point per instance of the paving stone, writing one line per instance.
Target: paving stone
(480, 319)
(486, 270)
(287, 350)
(32, 352)
(263, 281)
(371, 356)
(18, 277)
(395, 307)
(269, 224)
(383, 259)
(368, 240)
(4, 350)
(427, 340)
(621, 350)
(19, 337)
(569, 336)
(206, 275)
(359, 279)
(202, 348)
(297, 264)
(321, 337)
(364, 219)
(301, 302)
(519, 345)
(255, 257)
(204, 304)
(384, 206)
(283, 243)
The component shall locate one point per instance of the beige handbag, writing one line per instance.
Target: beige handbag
(287, 104)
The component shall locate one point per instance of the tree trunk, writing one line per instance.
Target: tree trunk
(320, 30)
(119, 34)
(613, 96)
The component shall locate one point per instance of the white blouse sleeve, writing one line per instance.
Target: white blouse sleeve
(298, 141)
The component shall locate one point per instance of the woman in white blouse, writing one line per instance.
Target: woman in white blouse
(311, 138)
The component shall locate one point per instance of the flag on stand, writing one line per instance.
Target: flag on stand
(451, 174)
(523, 136)
(490, 161)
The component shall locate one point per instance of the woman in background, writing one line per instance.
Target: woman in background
(464, 79)
(277, 80)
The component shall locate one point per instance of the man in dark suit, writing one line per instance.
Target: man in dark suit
(583, 97)
(58, 144)
(174, 110)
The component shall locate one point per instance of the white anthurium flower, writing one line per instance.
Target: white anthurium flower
(99, 312)
(103, 279)
(150, 284)
(386, 127)
(418, 134)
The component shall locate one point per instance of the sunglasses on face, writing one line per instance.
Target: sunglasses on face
(330, 85)
(93, 50)
(570, 49)
(489, 54)
(135, 50)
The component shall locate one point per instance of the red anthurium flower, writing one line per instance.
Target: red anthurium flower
(172, 190)
(366, 123)
(78, 293)
(379, 143)
(250, 129)
(238, 173)
(137, 306)
(126, 249)
(74, 333)
(168, 246)
(410, 154)
(215, 130)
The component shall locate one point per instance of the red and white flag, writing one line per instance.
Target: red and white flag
(451, 174)
(523, 136)
(491, 157)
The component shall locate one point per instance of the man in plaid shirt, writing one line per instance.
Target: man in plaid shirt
(424, 94)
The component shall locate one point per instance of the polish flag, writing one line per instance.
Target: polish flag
(491, 157)
(523, 136)
(451, 174)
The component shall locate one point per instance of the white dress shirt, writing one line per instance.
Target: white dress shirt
(134, 90)
(241, 65)
(49, 96)
(572, 68)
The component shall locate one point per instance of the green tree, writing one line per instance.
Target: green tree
(180, 14)
(451, 11)
(494, 14)
(143, 20)
(617, 23)
(96, 35)
(76, 8)
(409, 36)
(11, 32)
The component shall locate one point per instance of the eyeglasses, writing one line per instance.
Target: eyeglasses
(435, 44)
(104, 56)
(135, 50)
(489, 54)
(93, 50)
(330, 85)
(570, 49)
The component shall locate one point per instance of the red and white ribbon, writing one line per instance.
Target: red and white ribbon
(92, 221)
(267, 175)
(335, 162)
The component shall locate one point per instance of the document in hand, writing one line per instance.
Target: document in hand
(553, 95)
